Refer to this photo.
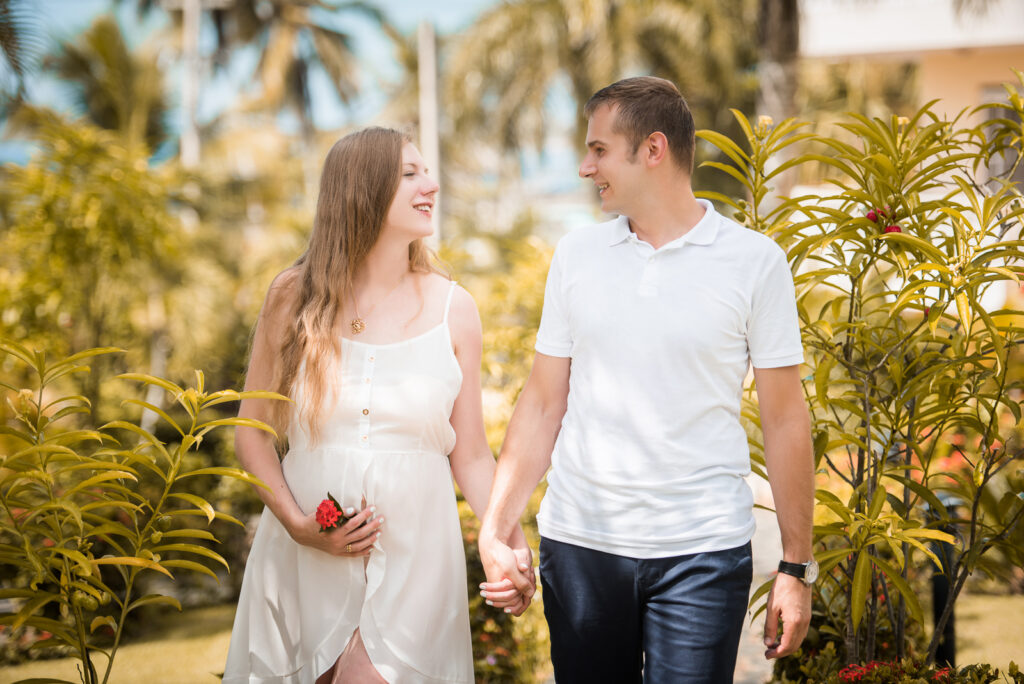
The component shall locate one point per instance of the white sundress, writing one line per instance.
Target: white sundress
(386, 440)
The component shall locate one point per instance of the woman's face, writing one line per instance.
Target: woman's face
(411, 209)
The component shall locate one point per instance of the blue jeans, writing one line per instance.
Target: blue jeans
(625, 620)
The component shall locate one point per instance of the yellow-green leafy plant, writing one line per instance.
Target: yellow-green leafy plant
(86, 512)
(912, 365)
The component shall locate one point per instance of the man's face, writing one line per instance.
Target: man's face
(612, 164)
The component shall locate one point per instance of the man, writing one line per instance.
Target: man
(648, 326)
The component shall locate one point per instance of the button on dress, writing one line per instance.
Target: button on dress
(385, 440)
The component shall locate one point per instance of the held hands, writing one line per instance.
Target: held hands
(354, 539)
(510, 581)
(789, 603)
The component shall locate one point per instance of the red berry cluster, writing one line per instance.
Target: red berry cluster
(856, 673)
(881, 216)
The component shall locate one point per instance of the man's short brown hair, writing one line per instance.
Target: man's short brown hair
(646, 104)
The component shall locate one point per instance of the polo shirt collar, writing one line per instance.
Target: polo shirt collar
(704, 233)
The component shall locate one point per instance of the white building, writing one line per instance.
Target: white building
(964, 50)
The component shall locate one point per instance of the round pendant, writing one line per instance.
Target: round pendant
(358, 325)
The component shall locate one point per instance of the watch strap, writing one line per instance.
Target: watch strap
(798, 570)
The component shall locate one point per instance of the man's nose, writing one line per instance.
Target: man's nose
(586, 167)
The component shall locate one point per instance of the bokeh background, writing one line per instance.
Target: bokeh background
(161, 159)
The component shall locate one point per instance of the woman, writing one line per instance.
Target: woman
(380, 354)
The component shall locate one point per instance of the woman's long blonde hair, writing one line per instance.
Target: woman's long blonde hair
(358, 184)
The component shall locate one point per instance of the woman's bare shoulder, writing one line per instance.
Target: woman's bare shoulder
(283, 292)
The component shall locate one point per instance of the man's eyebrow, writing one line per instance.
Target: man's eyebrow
(594, 143)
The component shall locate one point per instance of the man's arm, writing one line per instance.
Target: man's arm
(525, 457)
(789, 456)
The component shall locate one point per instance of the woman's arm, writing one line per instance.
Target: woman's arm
(472, 461)
(256, 450)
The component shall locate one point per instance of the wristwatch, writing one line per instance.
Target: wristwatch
(805, 572)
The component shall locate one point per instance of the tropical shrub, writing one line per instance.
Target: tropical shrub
(912, 377)
(86, 513)
(510, 297)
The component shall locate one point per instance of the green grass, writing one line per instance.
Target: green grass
(191, 646)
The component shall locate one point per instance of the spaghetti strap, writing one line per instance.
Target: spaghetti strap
(448, 303)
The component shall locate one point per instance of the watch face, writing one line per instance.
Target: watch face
(811, 572)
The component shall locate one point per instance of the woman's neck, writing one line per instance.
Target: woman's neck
(385, 265)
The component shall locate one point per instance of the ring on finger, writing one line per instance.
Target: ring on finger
(348, 548)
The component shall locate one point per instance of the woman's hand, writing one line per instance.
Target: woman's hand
(354, 539)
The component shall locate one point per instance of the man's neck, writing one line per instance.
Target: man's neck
(670, 217)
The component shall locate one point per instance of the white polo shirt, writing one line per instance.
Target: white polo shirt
(651, 456)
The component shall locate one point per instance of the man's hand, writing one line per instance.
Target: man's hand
(510, 581)
(789, 603)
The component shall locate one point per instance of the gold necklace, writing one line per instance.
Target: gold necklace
(358, 324)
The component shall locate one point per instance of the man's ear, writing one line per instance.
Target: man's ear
(655, 149)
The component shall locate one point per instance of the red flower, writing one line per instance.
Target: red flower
(893, 229)
(872, 216)
(328, 513)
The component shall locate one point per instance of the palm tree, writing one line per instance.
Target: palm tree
(20, 41)
(510, 61)
(293, 37)
(114, 88)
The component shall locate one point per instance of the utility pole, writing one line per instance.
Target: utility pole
(190, 24)
(429, 137)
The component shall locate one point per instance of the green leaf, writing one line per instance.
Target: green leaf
(237, 422)
(167, 385)
(192, 548)
(896, 578)
(199, 502)
(761, 591)
(191, 565)
(877, 502)
(859, 588)
(925, 533)
(154, 599)
(158, 411)
(190, 534)
(236, 473)
(33, 606)
(133, 562)
(101, 620)
(100, 478)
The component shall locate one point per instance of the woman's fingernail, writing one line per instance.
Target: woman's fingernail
(489, 602)
(508, 610)
(373, 509)
(349, 510)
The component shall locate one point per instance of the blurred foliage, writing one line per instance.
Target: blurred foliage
(85, 512)
(914, 384)
(87, 237)
(510, 295)
(906, 671)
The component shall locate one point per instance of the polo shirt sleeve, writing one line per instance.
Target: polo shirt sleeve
(773, 332)
(553, 335)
